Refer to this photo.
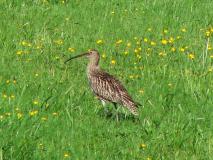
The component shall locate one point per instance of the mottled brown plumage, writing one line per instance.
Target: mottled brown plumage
(106, 87)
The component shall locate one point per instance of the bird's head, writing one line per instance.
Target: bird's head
(91, 54)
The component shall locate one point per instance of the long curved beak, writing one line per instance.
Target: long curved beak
(80, 55)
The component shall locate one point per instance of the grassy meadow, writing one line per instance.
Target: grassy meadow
(161, 50)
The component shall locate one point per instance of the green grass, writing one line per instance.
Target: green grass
(47, 110)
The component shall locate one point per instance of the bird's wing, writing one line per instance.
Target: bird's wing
(109, 88)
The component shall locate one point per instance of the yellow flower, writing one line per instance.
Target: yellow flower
(179, 37)
(126, 53)
(143, 146)
(191, 56)
(113, 12)
(19, 52)
(149, 29)
(12, 96)
(7, 81)
(182, 49)
(70, 49)
(26, 44)
(54, 113)
(211, 56)
(36, 74)
(1, 117)
(131, 76)
(4, 95)
(103, 55)
(153, 43)
(35, 102)
(165, 31)
(162, 54)
(139, 48)
(58, 42)
(138, 42)
(136, 50)
(119, 42)
(209, 47)
(33, 113)
(138, 56)
(23, 43)
(8, 114)
(43, 118)
(208, 33)
(57, 57)
(148, 158)
(173, 49)
(41, 146)
(149, 49)
(141, 91)
(135, 38)
(183, 30)
(210, 69)
(128, 44)
(38, 46)
(66, 155)
(100, 41)
(19, 115)
(45, 1)
(145, 40)
(170, 85)
(171, 40)
(113, 61)
(164, 41)
(14, 81)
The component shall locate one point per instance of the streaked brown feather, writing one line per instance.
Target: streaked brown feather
(110, 89)
(104, 85)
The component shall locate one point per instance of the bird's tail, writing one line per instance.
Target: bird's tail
(132, 106)
(134, 111)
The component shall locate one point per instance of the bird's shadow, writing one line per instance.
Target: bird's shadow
(111, 115)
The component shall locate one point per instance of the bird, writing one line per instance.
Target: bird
(105, 86)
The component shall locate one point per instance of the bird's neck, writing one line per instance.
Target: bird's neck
(93, 62)
(92, 68)
(93, 65)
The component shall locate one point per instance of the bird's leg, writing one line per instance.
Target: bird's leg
(116, 108)
(104, 105)
(103, 102)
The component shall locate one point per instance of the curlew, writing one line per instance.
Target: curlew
(105, 86)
